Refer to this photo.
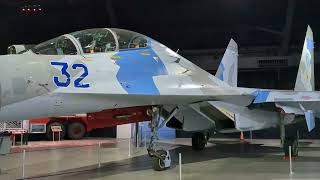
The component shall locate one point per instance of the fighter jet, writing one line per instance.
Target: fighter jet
(106, 68)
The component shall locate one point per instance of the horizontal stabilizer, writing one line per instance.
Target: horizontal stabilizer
(310, 120)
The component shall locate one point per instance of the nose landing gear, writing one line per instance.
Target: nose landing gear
(161, 159)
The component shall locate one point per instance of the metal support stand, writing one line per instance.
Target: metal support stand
(290, 161)
(21, 139)
(298, 137)
(129, 146)
(23, 163)
(180, 163)
(14, 140)
(99, 155)
(282, 130)
(145, 139)
(137, 134)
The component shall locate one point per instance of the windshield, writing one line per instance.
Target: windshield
(57, 46)
(129, 39)
(95, 40)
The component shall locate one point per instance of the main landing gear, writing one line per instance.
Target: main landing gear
(161, 159)
(199, 140)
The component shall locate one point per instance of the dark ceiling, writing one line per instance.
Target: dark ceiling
(180, 24)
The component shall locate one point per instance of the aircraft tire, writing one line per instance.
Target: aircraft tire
(56, 136)
(157, 163)
(76, 130)
(199, 141)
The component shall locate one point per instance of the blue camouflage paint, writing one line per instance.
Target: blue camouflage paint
(310, 44)
(221, 71)
(261, 97)
(255, 93)
(310, 47)
(137, 69)
(310, 120)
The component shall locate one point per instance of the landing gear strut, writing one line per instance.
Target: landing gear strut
(287, 141)
(293, 142)
(199, 140)
(161, 158)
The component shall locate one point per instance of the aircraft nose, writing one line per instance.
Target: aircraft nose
(20, 76)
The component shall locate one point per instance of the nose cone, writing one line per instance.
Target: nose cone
(21, 76)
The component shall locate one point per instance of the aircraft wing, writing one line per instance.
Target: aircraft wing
(246, 119)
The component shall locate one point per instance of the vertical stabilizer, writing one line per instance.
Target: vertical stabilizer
(305, 77)
(228, 68)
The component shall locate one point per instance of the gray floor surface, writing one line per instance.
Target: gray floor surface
(222, 159)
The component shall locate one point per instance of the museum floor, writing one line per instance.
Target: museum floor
(222, 159)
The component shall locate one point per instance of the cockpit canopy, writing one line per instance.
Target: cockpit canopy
(58, 46)
(95, 40)
(92, 41)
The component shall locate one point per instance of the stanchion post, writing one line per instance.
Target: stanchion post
(140, 136)
(129, 154)
(99, 155)
(145, 139)
(14, 139)
(137, 138)
(290, 161)
(180, 177)
(23, 163)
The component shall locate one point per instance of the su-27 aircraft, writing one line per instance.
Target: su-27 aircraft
(97, 69)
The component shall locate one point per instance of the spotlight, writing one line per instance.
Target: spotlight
(30, 9)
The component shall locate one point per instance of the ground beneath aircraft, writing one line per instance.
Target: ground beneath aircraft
(222, 159)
